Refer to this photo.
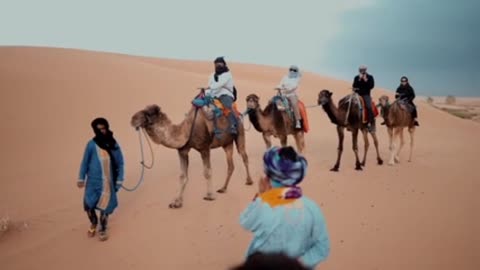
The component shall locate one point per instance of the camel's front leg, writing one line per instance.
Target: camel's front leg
(178, 201)
(267, 140)
(375, 142)
(402, 143)
(411, 131)
(231, 167)
(366, 146)
(358, 167)
(207, 171)
(243, 152)
(391, 147)
(341, 136)
(300, 142)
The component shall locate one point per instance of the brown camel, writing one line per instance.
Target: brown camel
(353, 122)
(397, 117)
(196, 132)
(273, 121)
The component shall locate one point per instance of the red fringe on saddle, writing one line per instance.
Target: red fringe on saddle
(225, 110)
(365, 112)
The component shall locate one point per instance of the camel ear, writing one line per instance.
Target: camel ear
(330, 94)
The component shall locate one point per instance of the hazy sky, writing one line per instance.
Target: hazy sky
(434, 42)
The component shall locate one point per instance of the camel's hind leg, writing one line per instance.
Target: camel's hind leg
(411, 131)
(366, 146)
(300, 141)
(207, 171)
(402, 143)
(341, 136)
(391, 137)
(358, 167)
(231, 167)
(183, 155)
(375, 142)
(267, 140)
(241, 147)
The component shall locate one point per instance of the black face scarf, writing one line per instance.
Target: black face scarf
(219, 70)
(106, 142)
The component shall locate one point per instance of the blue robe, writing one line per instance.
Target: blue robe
(295, 227)
(96, 169)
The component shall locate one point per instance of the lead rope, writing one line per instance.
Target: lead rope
(142, 173)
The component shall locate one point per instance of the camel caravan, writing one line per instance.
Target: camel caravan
(214, 121)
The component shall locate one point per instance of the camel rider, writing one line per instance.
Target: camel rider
(405, 92)
(363, 84)
(288, 86)
(220, 86)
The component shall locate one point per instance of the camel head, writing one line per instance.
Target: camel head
(324, 97)
(252, 102)
(383, 101)
(148, 117)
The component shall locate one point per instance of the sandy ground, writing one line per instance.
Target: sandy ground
(419, 215)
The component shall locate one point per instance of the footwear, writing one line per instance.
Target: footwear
(102, 235)
(383, 123)
(91, 232)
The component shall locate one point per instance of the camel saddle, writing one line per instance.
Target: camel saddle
(213, 107)
(283, 104)
(364, 111)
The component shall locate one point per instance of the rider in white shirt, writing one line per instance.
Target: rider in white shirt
(221, 86)
(288, 87)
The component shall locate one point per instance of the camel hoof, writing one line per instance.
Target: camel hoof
(397, 160)
(176, 204)
(334, 169)
(380, 161)
(222, 190)
(358, 168)
(249, 182)
(209, 197)
(362, 164)
(409, 160)
(391, 163)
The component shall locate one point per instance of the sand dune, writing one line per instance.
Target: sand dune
(420, 215)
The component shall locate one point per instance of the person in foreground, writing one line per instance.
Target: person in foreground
(274, 261)
(102, 169)
(363, 84)
(406, 93)
(221, 86)
(288, 85)
(280, 217)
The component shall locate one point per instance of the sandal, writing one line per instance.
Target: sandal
(102, 235)
(91, 232)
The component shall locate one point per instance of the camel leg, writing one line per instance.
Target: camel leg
(207, 172)
(358, 167)
(412, 137)
(391, 136)
(240, 142)
(402, 143)
(267, 140)
(300, 141)
(283, 140)
(375, 142)
(367, 144)
(178, 201)
(341, 136)
(229, 153)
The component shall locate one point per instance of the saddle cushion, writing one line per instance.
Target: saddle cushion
(224, 109)
(365, 112)
(202, 101)
(303, 113)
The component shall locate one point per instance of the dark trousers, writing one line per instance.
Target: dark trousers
(368, 105)
(227, 101)
(92, 216)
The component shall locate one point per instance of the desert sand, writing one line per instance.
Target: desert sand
(419, 215)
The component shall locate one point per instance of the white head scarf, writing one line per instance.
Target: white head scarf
(294, 74)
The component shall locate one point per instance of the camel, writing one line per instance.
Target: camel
(194, 132)
(397, 117)
(273, 121)
(347, 115)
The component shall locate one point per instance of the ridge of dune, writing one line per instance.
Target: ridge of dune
(419, 215)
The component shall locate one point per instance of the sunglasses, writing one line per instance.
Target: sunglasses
(293, 70)
(403, 81)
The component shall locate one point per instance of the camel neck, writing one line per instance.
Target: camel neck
(332, 112)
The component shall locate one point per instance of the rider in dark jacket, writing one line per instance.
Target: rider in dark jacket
(405, 92)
